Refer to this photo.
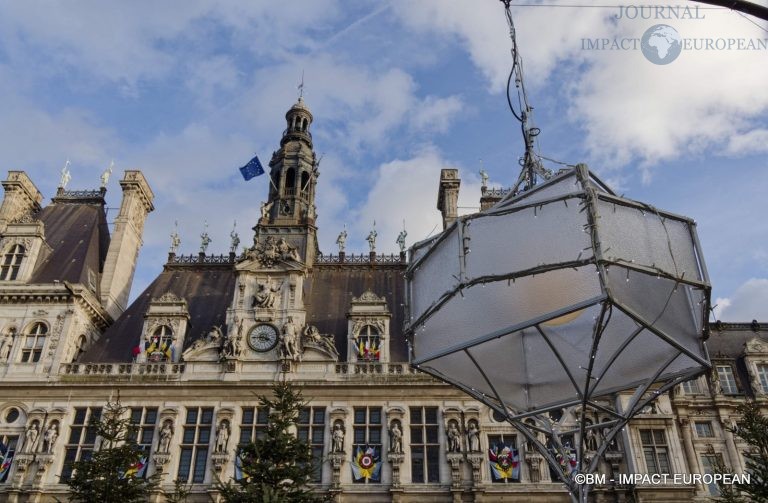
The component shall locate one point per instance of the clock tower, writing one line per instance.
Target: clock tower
(267, 318)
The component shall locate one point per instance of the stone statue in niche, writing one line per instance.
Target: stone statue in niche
(50, 436)
(6, 342)
(337, 437)
(454, 437)
(473, 437)
(166, 434)
(30, 438)
(222, 436)
(396, 438)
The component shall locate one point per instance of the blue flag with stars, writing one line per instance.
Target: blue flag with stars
(252, 169)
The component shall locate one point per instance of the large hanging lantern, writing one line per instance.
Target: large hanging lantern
(557, 296)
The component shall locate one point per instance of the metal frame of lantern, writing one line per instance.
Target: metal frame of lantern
(591, 397)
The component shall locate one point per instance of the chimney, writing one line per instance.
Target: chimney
(21, 198)
(448, 196)
(117, 277)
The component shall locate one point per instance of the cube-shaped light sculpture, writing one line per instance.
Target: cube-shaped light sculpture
(559, 295)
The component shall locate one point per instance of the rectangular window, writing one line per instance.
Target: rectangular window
(8, 446)
(366, 447)
(704, 429)
(82, 436)
(425, 445)
(691, 387)
(253, 424)
(503, 458)
(712, 463)
(143, 421)
(762, 376)
(727, 380)
(194, 444)
(311, 429)
(655, 451)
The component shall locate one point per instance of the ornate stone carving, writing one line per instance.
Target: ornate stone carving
(323, 342)
(167, 297)
(289, 342)
(219, 461)
(368, 296)
(266, 296)
(271, 251)
(455, 459)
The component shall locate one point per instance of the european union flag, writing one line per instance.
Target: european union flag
(252, 169)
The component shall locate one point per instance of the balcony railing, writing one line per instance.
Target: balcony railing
(122, 369)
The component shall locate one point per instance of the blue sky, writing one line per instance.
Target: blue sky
(188, 91)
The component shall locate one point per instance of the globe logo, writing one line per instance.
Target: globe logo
(661, 44)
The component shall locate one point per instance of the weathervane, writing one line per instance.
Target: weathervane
(300, 87)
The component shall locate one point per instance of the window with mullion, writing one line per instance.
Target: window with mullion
(655, 450)
(425, 445)
(82, 436)
(34, 340)
(762, 375)
(143, 420)
(196, 438)
(367, 434)
(9, 270)
(253, 424)
(311, 429)
(727, 379)
(711, 463)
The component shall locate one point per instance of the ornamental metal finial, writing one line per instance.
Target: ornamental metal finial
(205, 239)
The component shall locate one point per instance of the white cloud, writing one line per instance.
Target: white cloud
(749, 302)
(752, 142)
(436, 114)
(629, 108)
(406, 189)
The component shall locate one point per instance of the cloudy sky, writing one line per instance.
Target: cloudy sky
(188, 91)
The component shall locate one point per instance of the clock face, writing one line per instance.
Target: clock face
(262, 337)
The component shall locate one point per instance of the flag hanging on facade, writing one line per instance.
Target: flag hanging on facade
(252, 169)
(6, 458)
(366, 464)
(504, 462)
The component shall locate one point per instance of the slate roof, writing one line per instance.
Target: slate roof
(79, 236)
(727, 342)
(328, 292)
(207, 290)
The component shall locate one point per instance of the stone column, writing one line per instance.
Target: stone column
(730, 445)
(690, 452)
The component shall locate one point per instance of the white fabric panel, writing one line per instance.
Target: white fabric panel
(436, 275)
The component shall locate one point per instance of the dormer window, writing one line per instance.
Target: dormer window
(727, 379)
(159, 346)
(9, 270)
(369, 344)
(34, 340)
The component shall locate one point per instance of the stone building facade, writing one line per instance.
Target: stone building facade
(190, 353)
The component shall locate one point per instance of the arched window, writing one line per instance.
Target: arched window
(34, 340)
(290, 182)
(9, 270)
(304, 125)
(304, 183)
(369, 344)
(160, 346)
(81, 342)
